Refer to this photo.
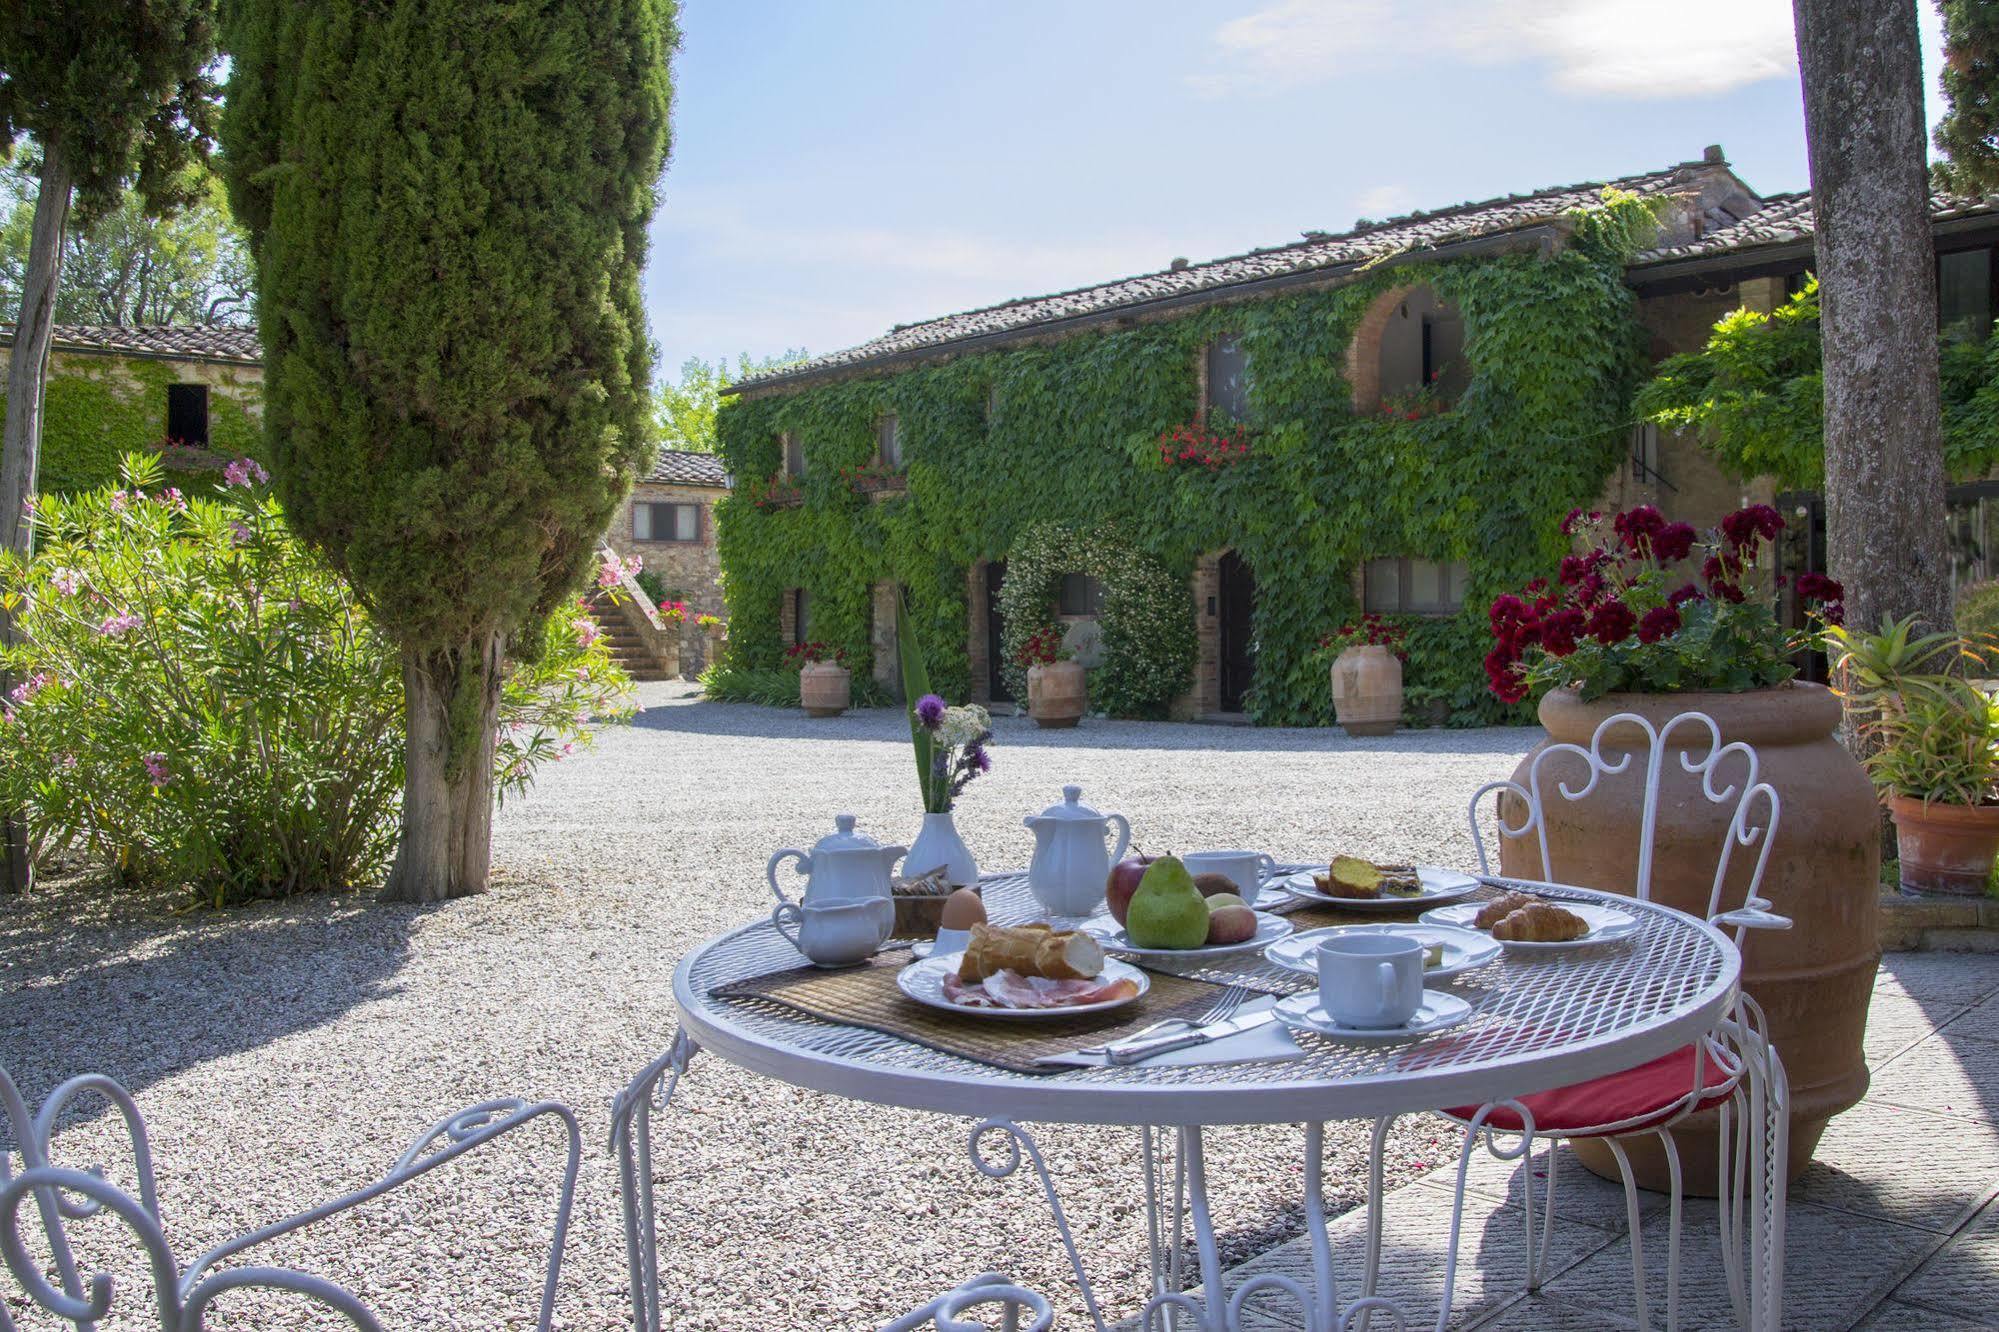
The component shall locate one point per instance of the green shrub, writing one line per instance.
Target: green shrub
(1978, 611)
(202, 702)
(777, 687)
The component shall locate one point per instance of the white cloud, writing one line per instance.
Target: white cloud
(1589, 48)
(1384, 201)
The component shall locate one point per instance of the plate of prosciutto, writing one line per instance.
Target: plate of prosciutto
(1023, 971)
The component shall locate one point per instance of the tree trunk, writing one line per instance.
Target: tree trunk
(20, 447)
(453, 704)
(1884, 467)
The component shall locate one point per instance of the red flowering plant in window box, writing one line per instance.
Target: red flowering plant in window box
(1198, 446)
(781, 492)
(1418, 403)
(798, 654)
(873, 477)
(1649, 606)
(1370, 630)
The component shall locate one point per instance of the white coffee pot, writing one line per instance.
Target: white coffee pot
(1071, 861)
(843, 866)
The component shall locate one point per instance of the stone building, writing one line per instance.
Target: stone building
(1720, 246)
(669, 523)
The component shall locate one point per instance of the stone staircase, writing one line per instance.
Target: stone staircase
(628, 649)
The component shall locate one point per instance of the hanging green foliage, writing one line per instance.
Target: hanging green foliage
(1066, 434)
(1756, 395)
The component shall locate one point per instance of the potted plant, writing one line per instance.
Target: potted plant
(1057, 691)
(1931, 744)
(825, 687)
(1653, 618)
(1367, 675)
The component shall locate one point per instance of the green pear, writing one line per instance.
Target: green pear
(1167, 911)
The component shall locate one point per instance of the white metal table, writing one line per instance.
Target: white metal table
(1543, 1020)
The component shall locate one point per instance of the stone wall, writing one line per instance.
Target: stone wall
(689, 568)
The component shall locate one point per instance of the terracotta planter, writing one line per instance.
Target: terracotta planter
(1945, 848)
(1057, 694)
(824, 689)
(1813, 980)
(1367, 690)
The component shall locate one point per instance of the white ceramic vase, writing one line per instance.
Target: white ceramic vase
(939, 844)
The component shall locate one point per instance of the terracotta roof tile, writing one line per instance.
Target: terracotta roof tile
(1787, 218)
(678, 468)
(186, 342)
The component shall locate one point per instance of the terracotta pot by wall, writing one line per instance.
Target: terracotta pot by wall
(1367, 690)
(1813, 980)
(1057, 694)
(1945, 848)
(824, 689)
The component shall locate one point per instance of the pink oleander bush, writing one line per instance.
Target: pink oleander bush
(196, 699)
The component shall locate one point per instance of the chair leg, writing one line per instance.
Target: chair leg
(1537, 1258)
(1672, 1232)
(1637, 1232)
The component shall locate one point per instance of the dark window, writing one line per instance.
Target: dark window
(888, 441)
(794, 455)
(666, 522)
(801, 616)
(1415, 587)
(1228, 378)
(187, 414)
(1964, 293)
(1081, 595)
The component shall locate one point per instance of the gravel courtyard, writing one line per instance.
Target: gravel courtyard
(287, 1052)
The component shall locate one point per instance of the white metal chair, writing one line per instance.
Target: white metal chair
(631, 1140)
(1734, 1071)
(62, 1196)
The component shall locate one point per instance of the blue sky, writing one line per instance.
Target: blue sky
(841, 166)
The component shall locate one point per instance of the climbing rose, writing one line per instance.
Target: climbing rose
(1611, 623)
(1659, 622)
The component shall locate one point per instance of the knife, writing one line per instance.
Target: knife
(1145, 1047)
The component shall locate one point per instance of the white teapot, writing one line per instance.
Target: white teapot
(1070, 861)
(843, 866)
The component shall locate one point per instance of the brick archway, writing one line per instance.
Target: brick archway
(1364, 348)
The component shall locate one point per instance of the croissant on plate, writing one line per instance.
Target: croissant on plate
(1543, 922)
(1499, 908)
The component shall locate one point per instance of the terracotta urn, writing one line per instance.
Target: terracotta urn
(1813, 980)
(1057, 694)
(1945, 848)
(1367, 690)
(824, 688)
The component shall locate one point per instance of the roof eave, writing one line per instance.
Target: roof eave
(142, 354)
(1544, 235)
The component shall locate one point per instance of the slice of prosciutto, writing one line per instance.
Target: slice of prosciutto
(1010, 989)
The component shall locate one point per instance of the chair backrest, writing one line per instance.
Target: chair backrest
(183, 1297)
(1754, 807)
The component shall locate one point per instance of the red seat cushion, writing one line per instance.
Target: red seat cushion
(1638, 1098)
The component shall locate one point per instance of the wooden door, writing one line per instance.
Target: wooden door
(995, 639)
(1236, 587)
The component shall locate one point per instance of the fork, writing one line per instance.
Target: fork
(1224, 1008)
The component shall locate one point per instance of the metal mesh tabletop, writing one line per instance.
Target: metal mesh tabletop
(1543, 1020)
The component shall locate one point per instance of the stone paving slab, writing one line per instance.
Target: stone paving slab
(1961, 978)
(1579, 1195)
(1947, 1074)
(1895, 1022)
(1908, 1166)
(1896, 1316)
(1963, 1277)
(1543, 1313)
(1981, 1021)
(1840, 1266)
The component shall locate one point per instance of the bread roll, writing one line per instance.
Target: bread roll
(1030, 950)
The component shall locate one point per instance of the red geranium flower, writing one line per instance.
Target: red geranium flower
(1660, 622)
(1611, 623)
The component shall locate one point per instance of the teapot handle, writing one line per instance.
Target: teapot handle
(770, 870)
(1123, 835)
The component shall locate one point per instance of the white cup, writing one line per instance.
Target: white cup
(1370, 980)
(1245, 869)
(836, 934)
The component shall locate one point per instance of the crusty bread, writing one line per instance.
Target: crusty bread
(1030, 950)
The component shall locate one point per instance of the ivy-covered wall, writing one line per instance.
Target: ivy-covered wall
(97, 408)
(1072, 438)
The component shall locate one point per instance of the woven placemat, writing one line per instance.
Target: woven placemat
(867, 996)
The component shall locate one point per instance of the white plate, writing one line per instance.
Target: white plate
(1106, 931)
(1439, 885)
(1464, 950)
(1605, 925)
(924, 982)
(1440, 1009)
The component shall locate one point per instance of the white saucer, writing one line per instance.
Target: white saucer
(1439, 1009)
(1439, 885)
(1106, 931)
(1606, 925)
(1464, 950)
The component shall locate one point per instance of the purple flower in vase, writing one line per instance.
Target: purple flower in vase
(980, 759)
(930, 711)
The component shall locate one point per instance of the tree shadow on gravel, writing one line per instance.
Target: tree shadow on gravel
(887, 725)
(99, 979)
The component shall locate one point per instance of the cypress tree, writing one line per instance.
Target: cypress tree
(1968, 134)
(447, 201)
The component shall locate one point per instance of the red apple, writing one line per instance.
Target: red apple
(1123, 882)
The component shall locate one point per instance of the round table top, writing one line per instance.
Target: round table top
(1544, 1020)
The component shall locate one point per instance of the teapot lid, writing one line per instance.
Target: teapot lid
(845, 839)
(1071, 807)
